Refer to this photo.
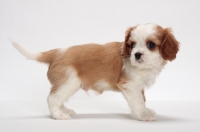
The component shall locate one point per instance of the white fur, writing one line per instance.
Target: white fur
(137, 105)
(149, 59)
(28, 54)
(102, 85)
(138, 80)
(143, 31)
(62, 50)
(142, 74)
(56, 100)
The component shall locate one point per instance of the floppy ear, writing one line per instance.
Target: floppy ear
(126, 47)
(169, 46)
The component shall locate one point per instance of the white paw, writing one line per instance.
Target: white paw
(71, 112)
(145, 115)
(68, 111)
(61, 116)
(152, 111)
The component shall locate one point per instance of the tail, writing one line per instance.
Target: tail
(45, 57)
(26, 53)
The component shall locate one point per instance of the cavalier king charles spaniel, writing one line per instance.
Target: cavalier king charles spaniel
(127, 67)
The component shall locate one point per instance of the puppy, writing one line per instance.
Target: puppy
(127, 67)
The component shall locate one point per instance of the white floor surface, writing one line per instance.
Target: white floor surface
(96, 116)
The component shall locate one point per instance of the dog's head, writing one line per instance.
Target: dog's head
(149, 44)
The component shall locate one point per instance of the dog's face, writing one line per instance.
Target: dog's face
(149, 44)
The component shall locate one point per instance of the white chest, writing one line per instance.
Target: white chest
(141, 78)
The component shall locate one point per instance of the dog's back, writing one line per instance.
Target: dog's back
(93, 63)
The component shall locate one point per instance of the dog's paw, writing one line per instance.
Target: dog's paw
(145, 115)
(71, 112)
(61, 116)
(151, 111)
(68, 111)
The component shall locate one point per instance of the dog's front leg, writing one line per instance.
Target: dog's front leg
(136, 102)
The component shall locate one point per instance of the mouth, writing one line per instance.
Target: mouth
(140, 61)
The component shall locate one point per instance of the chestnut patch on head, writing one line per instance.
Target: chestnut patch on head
(128, 45)
(169, 46)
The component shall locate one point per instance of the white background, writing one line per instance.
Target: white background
(41, 25)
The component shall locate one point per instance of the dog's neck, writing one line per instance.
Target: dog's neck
(145, 76)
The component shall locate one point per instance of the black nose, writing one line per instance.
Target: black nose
(138, 55)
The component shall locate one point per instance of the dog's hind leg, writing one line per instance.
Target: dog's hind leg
(60, 94)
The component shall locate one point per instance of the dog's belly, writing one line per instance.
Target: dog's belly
(99, 87)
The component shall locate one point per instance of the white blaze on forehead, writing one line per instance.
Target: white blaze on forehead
(143, 31)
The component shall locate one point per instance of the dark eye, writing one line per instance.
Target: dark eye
(151, 45)
(132, 44)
